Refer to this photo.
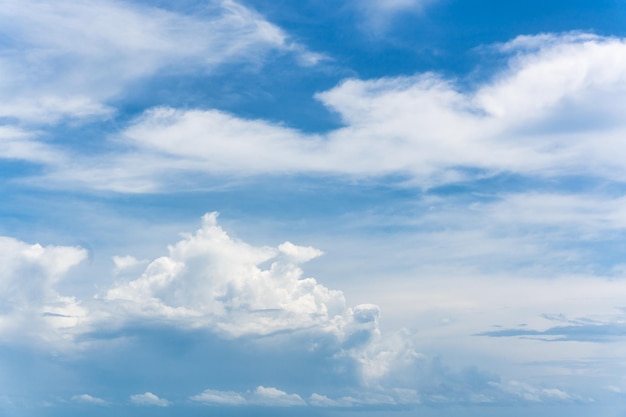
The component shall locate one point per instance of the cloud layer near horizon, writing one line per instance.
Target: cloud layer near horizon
(211, 283)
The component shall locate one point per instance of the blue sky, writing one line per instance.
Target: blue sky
(312, 208)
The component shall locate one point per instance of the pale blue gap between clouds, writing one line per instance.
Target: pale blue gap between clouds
(164, 149)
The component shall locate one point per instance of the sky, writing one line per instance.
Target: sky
(312, 208)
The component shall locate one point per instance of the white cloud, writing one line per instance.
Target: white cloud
(532, 393)
(215, 397)
(553, 111)
(30, 306)
(19, 144)
(212, 280)
(149, 398)
(124, 263)
(263, 396)
(274, 397)
(318, 400)
(64, 59)
(208, 281)
(299, 254)
(378, 15)
(89, 399)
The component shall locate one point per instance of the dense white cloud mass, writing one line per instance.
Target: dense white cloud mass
(543, 116)
(208, 281)
(211, 280)
(30, 306)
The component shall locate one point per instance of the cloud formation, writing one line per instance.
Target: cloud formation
(211, 280)
(31, 308)
(208, 282)
(378, 15)
(532, 118)
(211, 283)
(88, 399)
(68, 60)
(148, 398)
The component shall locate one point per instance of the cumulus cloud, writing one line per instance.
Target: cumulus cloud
(30, 305)
(212, 280)
(126, 263)
(208, 282)
(149, 398)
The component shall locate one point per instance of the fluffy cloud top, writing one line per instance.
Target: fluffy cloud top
(209, 282)
(212, 280)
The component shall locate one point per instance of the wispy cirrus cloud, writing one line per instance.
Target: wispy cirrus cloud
(378, 15)
(70, 59)
(149, 399)
(89, 399)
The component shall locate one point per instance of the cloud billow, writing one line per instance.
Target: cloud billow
(540, 116)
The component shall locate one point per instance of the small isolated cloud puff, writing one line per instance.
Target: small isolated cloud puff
(299, 254)
(149, 398)
(274, 397)
(215, 397)
(88, 399)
